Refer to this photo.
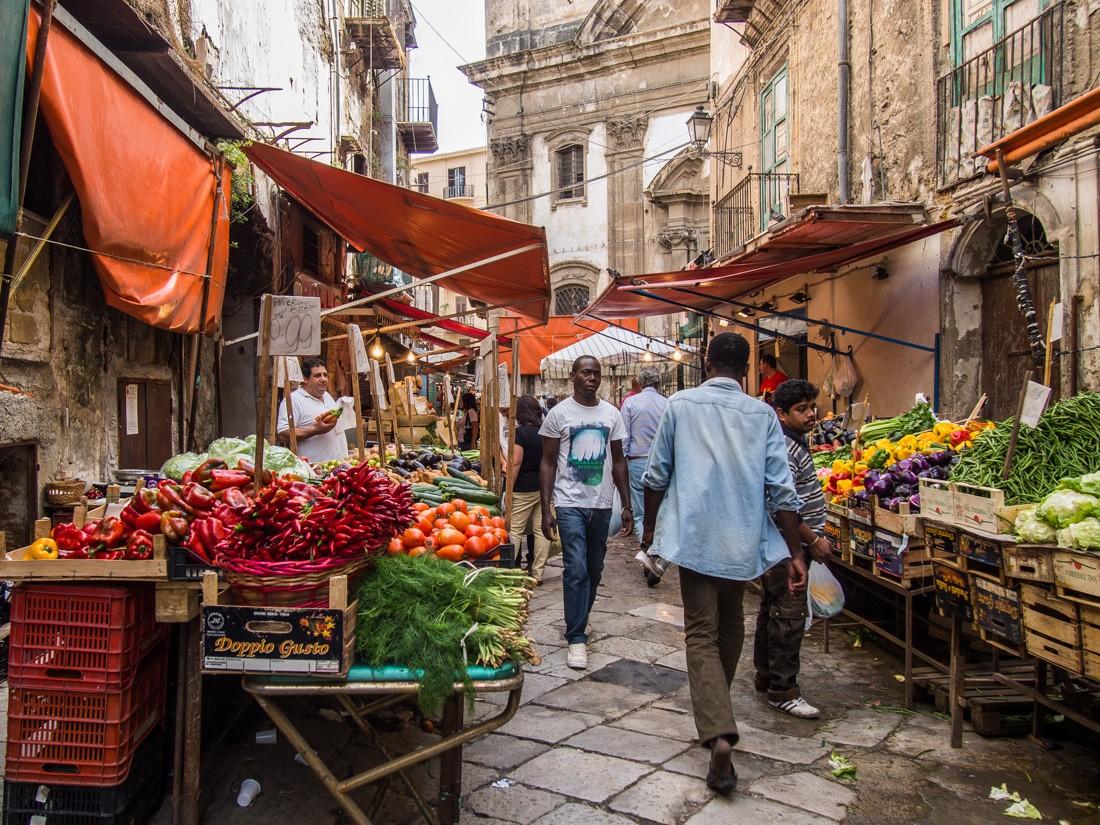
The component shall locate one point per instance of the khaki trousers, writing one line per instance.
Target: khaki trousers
(714, 627)
(526, 519)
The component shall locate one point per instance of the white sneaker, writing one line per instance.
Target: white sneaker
(577, 657)
(798, 707)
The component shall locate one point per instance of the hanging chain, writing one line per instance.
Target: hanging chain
(1024, 300)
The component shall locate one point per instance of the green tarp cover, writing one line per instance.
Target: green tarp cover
(13, 45)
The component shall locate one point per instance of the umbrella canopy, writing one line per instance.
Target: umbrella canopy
(613, 347)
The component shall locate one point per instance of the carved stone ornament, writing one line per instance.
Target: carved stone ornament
(681, 236)
(509, 150)
(627, 132)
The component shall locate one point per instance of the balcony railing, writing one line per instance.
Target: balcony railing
(750, 207)
(422, 188)
(1015, 81)
(463, 191)
(417, 114)
(371, 27)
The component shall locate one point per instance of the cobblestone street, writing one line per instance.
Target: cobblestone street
(616, 744)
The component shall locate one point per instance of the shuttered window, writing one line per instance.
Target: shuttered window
(570, 172)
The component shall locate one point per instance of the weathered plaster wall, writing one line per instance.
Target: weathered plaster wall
(517, 25)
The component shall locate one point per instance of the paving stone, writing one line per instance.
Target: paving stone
(516, 803)
(628, 648)
(695, 761)
(807, 791)
(534, 685)
(662, 797)
(629, 744)
(576, 814)
(554, 664)
(470, 818)
(641, 676)
(546, 635)
(679, 701)
(587, 696)
(797, 750)
(502, 752)
(592, 777)
(547, 724)
(677, 660)
(660, 632)
(661, 612)
(473, 777)
(618, 625)
(862, 728)
(744, 810)
(660, 722)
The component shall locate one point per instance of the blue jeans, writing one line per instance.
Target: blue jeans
(583, 532)
(636, 467)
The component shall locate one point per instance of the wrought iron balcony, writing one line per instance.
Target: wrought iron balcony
(417, 114)
(422, 188)
(370, 27)
(758, 200)
(1015, 81)
(462, 191)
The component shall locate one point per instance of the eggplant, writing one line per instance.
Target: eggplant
(906, 477)
(415, 465)
(881, 487)
(918, 463)
(914, 501)
(401, 472)
(871, 477)
(903, 466)
(940, 459)
(903, 491)
(893, 504)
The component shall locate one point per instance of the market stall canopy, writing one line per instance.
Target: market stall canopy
(415, 313)
(147, 193)
(613, 347)
(819, 238)
(539, 340)
(420, 234)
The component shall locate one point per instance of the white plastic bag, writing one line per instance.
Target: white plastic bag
(844, 378)
(824, 595)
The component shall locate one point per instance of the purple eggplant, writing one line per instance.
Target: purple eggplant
(940, 459)
(918, 464)
(914, 502)
(903, 491)
(881, 487)
(903, 466)
(906, 477)
(871, 477)
(893, 504)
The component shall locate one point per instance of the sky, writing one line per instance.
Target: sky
(462, 23)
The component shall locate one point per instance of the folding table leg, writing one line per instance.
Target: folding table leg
(450, 763)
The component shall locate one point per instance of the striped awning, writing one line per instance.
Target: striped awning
(613, 347)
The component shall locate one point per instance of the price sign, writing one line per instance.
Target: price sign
(295, 325)
(1035, 401)
(505, 385)
(287, 367)
(377, 388)
(355, 339)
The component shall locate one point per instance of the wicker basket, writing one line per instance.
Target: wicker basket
(289, 583)
(62, 491)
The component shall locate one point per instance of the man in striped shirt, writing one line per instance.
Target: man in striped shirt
(781, 622)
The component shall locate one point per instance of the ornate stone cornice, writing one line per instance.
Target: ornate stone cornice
(627, 133)
(679, 236)
(510, 150)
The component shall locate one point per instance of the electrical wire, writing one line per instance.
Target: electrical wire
(122, 258)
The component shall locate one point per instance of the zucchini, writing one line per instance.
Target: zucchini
(421, 487)
(461, 476)
(475, 497)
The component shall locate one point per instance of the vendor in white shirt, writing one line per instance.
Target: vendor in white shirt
(314, 422)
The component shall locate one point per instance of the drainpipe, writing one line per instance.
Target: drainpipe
(843, 82)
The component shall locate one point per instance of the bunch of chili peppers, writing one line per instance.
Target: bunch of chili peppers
(357, 510)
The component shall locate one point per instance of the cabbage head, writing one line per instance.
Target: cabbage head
(1084, 535)
(177, 465)
(1032, 529)
(1065, 507)
(1088, 483)
(230, 448)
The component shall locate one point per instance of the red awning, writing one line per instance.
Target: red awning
(559, 332)
(415, 313)
(420, 234)
(818, 239)
(146, 192)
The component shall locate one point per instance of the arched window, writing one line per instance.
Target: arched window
(570, 299)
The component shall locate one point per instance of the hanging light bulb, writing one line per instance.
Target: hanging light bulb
(410, 357)
(647, 356)
(722, 322)
(376, 351)
(677, 354)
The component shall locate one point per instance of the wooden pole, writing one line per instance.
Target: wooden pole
(196, 348)
(355, 394)
(274, 409)
(1010, 453)
(289, 409)
(264, 385)
(513, 398)
(409, 410)
(1048, 357)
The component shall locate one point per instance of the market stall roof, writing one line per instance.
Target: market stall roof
(147, 202)
(613, 347)
(817, 238)
(421, 234)
(539, 340)
(415, 313)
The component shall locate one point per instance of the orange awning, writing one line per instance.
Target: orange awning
(420, 234)
(818, 239)
(559, 332)
(1064, 122)
(146, 192)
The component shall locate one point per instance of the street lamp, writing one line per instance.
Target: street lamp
(699, 127)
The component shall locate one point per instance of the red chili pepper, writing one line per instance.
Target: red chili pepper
(149, 522)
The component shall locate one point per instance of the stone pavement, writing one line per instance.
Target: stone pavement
(616, 744)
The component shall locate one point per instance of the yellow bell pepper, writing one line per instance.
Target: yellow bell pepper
(902, 453)
(844, 486)
(861, 467)
(910, 442)
(40, 550)
(885, 444)
(944, 428)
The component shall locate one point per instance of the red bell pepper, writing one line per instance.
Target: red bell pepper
(72, 542)
(200, 498)
(224, 479)
(139, 546)
(111, 532)
(173, 525)
(201, 474)
(103, 554)
(169, 497)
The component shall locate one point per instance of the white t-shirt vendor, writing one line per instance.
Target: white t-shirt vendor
(313, 422)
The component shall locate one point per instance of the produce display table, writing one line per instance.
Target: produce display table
(381, 688)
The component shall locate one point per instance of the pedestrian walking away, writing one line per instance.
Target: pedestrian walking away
(526, 515)
(582, 465)
(641, 414)
(720, 504)
(781, 621)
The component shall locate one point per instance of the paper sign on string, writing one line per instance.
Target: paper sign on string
(355, 339)
(505, 385)
(377, 389)
(479, 375)
(1056, 323)
(447, 390)
(295, 325)
(389, 371)
(1036, 398)
(486, 345)
(288, 366)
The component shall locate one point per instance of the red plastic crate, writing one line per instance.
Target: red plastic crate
(84, 738)
(80, 637)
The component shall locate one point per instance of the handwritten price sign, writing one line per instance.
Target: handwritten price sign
(295, 325)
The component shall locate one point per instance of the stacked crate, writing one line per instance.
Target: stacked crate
(87, 674)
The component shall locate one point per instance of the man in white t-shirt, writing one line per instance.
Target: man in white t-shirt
(582, 465)
(314, 421)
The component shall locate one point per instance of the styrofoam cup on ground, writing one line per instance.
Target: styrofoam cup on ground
(267, 737)
(250, 789)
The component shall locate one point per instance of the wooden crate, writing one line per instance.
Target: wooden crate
(1029, 562)
(861, 542)
(1077, 576)
(901, 558)
(997, 611)
(903, 522)
(13, 567)
(837, 532)
(862, 513)
(941, 539)
(976, 507)
(1052, 628)
(983, 553)
(953, 589)
(937, 499)
(1090, 640)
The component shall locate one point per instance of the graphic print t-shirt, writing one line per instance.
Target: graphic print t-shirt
(584, 457)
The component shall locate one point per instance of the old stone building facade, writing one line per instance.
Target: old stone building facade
(924, 90)
(586, 106)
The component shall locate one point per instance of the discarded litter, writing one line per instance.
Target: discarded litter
(843, 767)
(1023, 810)
(504, 783)
(267, 737)
(301, 760)
(250, 789)
(1002, 793)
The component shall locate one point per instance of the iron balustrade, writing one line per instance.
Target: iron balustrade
(461, 191)
(750, 207)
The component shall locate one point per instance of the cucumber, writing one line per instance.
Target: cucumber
(476, 497)
(461, 476)
(424, 488)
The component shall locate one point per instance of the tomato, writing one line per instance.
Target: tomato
(412, 537)
(490, 540)
(449, 535)
(501, 534)
(419, 507)
(418, 551)
(497, 521)
(428, 515)
(395, 547)
(424, 527)
(459, 520)
(475, 547)
(474, 530)
(440, 524)
(452, 552)
(445, 509)
(459, 504)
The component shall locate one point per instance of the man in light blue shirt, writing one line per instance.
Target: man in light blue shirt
(717, 476)
(641, 413)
